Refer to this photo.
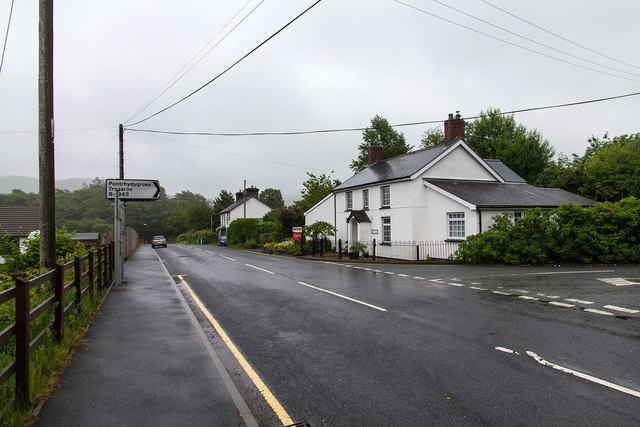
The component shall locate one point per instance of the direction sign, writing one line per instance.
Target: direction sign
(132, 189)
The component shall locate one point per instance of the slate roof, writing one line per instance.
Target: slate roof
(19, 221)
(514, 195)
(402, 167)
(360, 216)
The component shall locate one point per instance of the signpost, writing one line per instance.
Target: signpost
(133, 190)
(297, 233)
(120, 191)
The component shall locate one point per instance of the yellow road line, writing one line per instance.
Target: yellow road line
(260, 385)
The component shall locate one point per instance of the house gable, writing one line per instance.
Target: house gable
(459, 162)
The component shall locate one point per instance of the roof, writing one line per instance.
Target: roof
(240, 203)
(19, 221)
(394, 168)
(405, 166)
(360, 216)
(513, 195)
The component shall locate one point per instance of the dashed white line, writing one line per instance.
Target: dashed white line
(617, 387)
(258, 268)
(604, 313)
(419, 278)
(403, 275)
(226, 257)
(528, 298)
(579, 301)
(561, 304)
(209, 252)
(505, 350)
(477, 288)
(375, 307)
(459, 285)
(622, 309)
(501, 293)
(389, 272)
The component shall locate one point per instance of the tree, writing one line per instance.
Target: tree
(380, 133)
(198, 217)
(319, 229)
(272, 198)
(223, 201)
(498, 136)
(315, 189)
(432, 137)
(613, 170)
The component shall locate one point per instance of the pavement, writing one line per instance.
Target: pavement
(145, 361)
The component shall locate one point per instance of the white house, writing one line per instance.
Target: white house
(243, 207)
(440, 194)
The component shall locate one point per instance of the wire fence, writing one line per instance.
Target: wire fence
(405, 250)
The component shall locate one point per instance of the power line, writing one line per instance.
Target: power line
(177, 77)
(511, 43)
(6, 37)
(229, 68)
(559, 36)
(533, 41)
(360, 129)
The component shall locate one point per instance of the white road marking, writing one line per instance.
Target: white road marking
(477, 288)
(618, 281)
(622, 309)
(501, 293)
(505, 350)
(226, 257)
(528, 298)
(389, 272)
(522, 291)
(617, 387)
(419, 278)
(572, 272)
(593, 310)
(375, 307)
(258, 268)
(561, 304)
(460, 285)
(403, 275)
(209, 252)
(578, 301)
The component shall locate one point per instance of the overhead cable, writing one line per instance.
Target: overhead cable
(512, 43)
(360, 129)
(559, 36)
(229, 68)
(6, 37)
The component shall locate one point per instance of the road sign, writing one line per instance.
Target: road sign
(132, 189)
(297, 233)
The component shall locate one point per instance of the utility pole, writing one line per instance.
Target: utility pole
(47, 196)
(121, 151)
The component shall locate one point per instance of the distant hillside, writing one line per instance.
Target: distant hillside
(31, 185)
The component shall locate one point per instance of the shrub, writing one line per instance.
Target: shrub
(242, 230)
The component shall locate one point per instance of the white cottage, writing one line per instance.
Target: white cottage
(246, 206)
(441, 194)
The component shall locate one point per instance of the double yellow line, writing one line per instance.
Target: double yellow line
(260, 385)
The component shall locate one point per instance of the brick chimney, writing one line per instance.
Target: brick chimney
(374, 153)
(453, 127)
(239, 196)
(252, 192)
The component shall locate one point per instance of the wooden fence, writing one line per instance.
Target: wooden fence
(97, 267)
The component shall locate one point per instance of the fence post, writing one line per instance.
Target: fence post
(77, 282)
(374, 250)
(322, 246)
(22, 341)
(91, 275)
(417, 252)
(110, 255)
(339, 248)
(59, 301)
(99, 253)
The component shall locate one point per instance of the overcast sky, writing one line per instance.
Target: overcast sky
(337, 66)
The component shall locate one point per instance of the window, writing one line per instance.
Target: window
(385, 194)
(456, 225)
(349, 200)
(517, 216)
(386, 229)
(365, 199)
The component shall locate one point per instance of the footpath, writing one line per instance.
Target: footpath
(145, 361)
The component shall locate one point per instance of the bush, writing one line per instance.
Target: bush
(605, 232)
(242, 230)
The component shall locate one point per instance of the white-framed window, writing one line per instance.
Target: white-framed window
(385, 196)
(456, 225)
(348, 200)
(365, 199)
(517, 216)
(386, 229)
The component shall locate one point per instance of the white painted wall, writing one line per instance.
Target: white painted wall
(459, 164)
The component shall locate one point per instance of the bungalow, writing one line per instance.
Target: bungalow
(243, 207)
(440, 194)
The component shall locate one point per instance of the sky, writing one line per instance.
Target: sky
(335, 67)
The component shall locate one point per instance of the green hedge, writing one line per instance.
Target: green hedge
(252, 230)
(603, 233)
(195, 237)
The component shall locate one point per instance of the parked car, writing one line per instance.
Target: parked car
(159, 241)
(222, 241)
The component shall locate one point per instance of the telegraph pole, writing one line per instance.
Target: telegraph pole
(121, 150)
(47, 209)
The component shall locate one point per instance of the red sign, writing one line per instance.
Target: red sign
(297, 233)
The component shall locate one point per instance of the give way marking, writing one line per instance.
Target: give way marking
(618, 281)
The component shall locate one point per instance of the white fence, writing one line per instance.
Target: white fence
(409, 250)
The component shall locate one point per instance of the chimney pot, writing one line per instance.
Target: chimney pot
(453, 128)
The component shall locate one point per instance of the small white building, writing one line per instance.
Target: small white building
(441, 194)
(246, 206)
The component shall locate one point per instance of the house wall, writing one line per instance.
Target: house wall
(459, 164)
(255, 209)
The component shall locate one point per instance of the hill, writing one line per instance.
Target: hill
(31, 185)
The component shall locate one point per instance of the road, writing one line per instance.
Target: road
(357, 344)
